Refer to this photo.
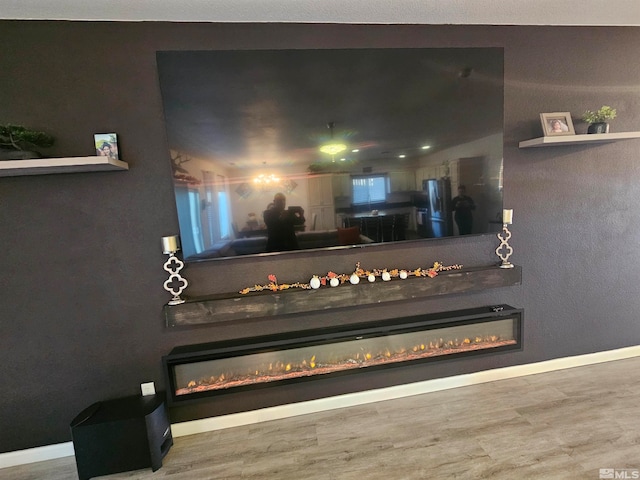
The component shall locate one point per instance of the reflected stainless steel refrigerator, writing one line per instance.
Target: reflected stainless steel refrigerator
(435, 217)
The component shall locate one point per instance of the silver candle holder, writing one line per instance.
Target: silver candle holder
(504, 250)
(175, 284)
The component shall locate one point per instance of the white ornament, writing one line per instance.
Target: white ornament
(354, 279)
(314, 282)
(371, 277)
(386, 276)
(334, 282)
(403, 274)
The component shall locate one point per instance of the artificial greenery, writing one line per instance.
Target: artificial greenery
(17, 137)
(601, 115)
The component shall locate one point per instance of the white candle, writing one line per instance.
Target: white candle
(170, 244)
(507, 216)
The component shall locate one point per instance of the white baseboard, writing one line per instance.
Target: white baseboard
(49, 452)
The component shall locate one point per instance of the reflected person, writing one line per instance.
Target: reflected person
(463, 207)
(281, 223)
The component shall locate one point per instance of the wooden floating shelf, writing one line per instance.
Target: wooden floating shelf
(225, 308)
(577, 139)
(45, 166)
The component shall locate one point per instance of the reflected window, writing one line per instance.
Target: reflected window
(194, 213)
(369, 189)
(209, 215)
(216, 215)
(188, 206)
(223, 215)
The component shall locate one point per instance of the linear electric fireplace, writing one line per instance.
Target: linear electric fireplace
(199, 371)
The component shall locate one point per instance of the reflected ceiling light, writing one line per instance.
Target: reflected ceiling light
(426, 147)
(355, 150)
(402, 155)
(332, 148)
(266, 179)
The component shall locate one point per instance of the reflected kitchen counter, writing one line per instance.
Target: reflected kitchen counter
(380, 225)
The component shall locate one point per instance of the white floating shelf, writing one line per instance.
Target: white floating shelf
(577, 139)
(45, 166)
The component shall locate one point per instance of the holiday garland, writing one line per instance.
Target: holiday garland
(334, 279)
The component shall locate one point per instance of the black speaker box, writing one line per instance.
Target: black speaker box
(119, 435)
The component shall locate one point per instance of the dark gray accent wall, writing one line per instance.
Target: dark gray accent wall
(81, 275)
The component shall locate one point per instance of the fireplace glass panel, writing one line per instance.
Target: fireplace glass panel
(221, 370)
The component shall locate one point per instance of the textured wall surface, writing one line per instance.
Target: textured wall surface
(82, 267)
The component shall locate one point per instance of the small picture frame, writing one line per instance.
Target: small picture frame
(557, 123)
(106, 145)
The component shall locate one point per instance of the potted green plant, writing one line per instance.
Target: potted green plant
(17, 142)
(598, 120)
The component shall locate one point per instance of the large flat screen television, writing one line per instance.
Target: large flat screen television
(350, 146)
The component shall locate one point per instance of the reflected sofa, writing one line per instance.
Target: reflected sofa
(255, 245)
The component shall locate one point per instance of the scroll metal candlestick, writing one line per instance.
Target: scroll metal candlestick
(175, 284)
(504, 250)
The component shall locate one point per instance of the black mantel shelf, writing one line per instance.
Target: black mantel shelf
(227, 308)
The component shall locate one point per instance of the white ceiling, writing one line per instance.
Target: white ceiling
(461, 12)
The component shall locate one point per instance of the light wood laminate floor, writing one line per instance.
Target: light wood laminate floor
(566, 424)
